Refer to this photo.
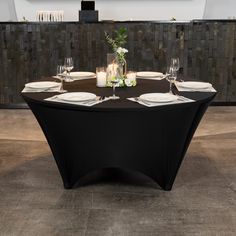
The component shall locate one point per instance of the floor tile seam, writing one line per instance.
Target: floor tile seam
(22, 157)
(22, 140)
(214, 137)
(204, 185)
(122, 210)
(126, 194)
(160, 206)
(87, 221)
(92, 199)
(153, 194)
(226, 139)
(50, 208)
(47, 207)
(134, 208)
(36, 190)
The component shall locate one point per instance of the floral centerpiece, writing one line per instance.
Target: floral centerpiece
(119, 62)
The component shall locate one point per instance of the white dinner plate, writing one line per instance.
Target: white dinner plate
(149, 74)
(158, 97)
(81, 74)
(194, 85)
(42, 85)
(77, 96)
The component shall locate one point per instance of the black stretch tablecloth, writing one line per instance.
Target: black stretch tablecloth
(119, 133)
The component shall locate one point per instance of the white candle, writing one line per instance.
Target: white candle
(131, 79)
(112, 69)
(101, 79)
(131, 76)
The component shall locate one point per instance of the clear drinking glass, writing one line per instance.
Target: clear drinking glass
(69, 65)
(171, 76)
(174, 63)
(114, 83)
(60, 71)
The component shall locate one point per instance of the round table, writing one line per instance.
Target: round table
(119, 133)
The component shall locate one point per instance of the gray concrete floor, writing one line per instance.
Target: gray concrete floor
(33, 201)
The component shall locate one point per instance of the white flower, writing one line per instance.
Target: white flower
(121, 83)
(128, 82)
(121, 50)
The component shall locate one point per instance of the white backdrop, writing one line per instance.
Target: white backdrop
(7, 10)
(118, 9)
(123, 9)
(220, 9)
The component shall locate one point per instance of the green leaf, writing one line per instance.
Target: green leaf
(119, 40)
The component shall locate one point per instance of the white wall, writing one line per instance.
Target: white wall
(7, 10)
(123, 9)
(5, 15)
(220, 9)
(117, 9)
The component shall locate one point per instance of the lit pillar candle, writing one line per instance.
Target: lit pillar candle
(112, 70)
(131, 79)
(101, 79)
(131, 75)
(101, 76)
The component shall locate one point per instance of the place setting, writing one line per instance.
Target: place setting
(65, 72)
(81, 75)
(77, 75)
(161, 99)
(41, 86)
(78, 98)
(194, 86)
(152, 75)
(156, 75)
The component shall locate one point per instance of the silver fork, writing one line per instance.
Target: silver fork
(181, 98)
(99, 98)
(46, 90)
(137, 99)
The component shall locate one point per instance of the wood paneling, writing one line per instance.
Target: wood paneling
(207, 50)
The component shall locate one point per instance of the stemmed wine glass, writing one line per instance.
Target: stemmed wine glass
(69, 65)
(114, 82)
(60, 71)
(171, 76)
(174, 63)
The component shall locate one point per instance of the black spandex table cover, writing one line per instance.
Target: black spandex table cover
(119, 133)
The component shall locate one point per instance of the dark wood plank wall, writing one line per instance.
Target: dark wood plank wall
(207, 50)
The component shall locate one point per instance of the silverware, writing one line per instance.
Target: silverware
(45, 90)
(181, 98)
(99, 98)
(53, 97)
(90, 102)
(137, 99)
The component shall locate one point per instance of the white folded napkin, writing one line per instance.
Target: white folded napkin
(182, 89)
(84, 103)
(180, 99)
(40, 90)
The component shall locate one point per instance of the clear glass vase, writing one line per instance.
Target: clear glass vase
(115, 70)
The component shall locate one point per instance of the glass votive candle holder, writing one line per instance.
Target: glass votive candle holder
(131, 78)
(101, 76)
